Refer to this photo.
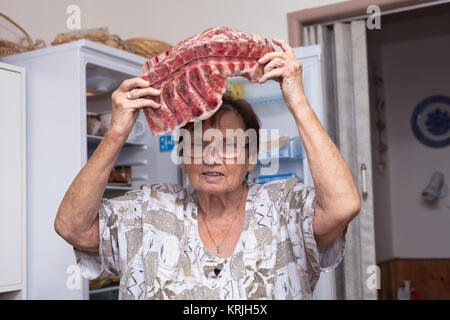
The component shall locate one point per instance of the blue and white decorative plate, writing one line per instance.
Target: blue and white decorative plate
(430, 121)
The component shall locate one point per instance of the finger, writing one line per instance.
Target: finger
(275, 63)
(285, 46)
(129, 84)
(139, 93)
(141, 103)
(271, 75)
(271, 55)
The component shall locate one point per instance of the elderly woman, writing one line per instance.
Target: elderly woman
(221, 237)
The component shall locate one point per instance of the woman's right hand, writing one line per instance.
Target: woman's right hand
(127, 102)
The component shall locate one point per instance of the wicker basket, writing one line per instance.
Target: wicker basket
(142, 46)
(147, 47)
(99, 35)
(26, 44)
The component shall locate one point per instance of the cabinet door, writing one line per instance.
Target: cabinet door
(12, 181)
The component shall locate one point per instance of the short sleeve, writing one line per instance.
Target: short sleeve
(302, 202)
(114, 214)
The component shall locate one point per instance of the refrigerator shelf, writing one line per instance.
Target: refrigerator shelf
(109, 293)
(103, 289)
(292, 150)
(269, 178)
(267, 160)
(113, 187)
(94, 141)
(256, 94)
(255, 102)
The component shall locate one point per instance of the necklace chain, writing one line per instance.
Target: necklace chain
(228, 231)
(209, 232)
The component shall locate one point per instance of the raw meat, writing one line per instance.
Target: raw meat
(192, 75)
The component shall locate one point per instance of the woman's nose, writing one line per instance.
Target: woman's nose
(210, 155)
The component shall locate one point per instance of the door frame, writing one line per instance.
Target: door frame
(348, 10)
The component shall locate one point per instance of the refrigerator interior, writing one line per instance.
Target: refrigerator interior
(141, 154)
(148, 164)
(268, 103)
(276, 120)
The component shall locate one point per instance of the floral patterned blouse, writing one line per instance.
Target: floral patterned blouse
(149, 238)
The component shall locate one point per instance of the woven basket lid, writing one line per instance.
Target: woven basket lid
(148, 47)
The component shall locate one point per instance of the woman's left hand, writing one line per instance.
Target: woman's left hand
(286, 69)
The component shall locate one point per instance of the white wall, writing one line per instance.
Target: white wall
(169, 20)
(413, 69)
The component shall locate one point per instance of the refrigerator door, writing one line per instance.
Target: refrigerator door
(311, 58)
(268, 103)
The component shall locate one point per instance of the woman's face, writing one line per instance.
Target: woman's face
(217, 175)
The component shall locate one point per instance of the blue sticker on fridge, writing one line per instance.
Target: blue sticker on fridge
(165, 143)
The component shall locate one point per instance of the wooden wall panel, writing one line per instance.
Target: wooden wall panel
(430, 277)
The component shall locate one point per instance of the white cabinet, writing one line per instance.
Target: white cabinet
(12, 182)
(58, 148)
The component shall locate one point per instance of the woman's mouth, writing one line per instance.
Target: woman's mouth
(213, 174)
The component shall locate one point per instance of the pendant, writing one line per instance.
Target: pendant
(218, 251)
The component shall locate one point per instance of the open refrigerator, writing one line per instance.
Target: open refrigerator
(289, 159)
